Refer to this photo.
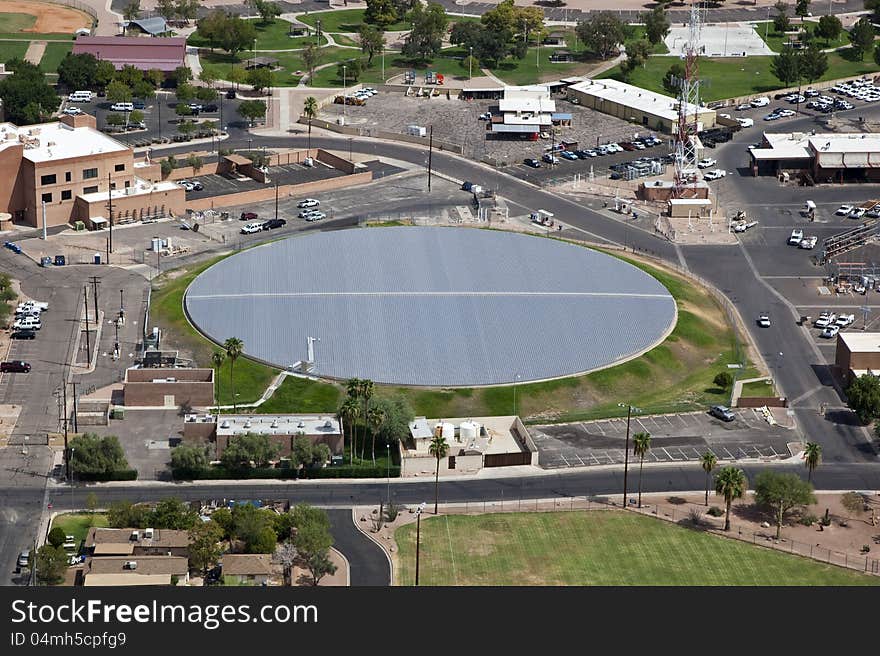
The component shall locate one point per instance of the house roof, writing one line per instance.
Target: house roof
(145, 53)
(246, 564)
(162, 537)
(861, 342)
(146, 565)
(154, 25)
(104, 580)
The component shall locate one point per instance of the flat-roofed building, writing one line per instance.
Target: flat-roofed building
(525, 111)
(857, 354)
(648, 108)
(827, 157)
(71, 166)
(146, 53)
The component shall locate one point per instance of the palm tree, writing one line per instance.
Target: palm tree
(438, 449)
(376, 417)
(234, 348)
(310, 110)
(641, 446)
(366, 393)
(348, 411)
(731, 483)
(353, 389)
(217, 358)
(812, 458)
(708, 463)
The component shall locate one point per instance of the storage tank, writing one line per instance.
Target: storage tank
(469, 430)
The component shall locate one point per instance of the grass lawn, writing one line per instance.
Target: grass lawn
(536, 67)
(13, 22)
(166, 310)
(345, 20)
(637, 32)
(53, 55)
(448, 63)
(758, 388)
(344, 40)
(270, 36)
(776, 39)
(78, 524)
(595, 548)
(220, 63)
(732, 77)
(12, 49)
(302, 395)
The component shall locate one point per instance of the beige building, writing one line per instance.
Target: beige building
(652, 110)
(70, 166)
(136, 542)
(140, 570)
(246, 569)
(857, 354)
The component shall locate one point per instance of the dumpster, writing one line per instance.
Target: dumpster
(97, 258)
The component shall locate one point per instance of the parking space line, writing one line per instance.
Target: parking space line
(594, 457)
(576, 455)
(644, 428)
(598, 427)
(564, 460)
(729, 454)
(683, 420)
(744, 454)
(610, 459)
(654, 455)
(683, 455)
(697, 454)
(668, 454)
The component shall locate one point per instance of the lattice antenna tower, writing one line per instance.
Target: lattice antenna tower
(689, 97)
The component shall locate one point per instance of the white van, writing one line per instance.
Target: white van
(80, 96)
(122, 107)
(762, 101)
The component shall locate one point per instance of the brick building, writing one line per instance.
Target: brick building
(71, 166)
(160, 53)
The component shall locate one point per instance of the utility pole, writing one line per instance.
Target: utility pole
(86, 309)
(629, 411)
(276, 200)
(110, 217)
(75, 425)
(95, 280)
(66, 452)
(430, 153)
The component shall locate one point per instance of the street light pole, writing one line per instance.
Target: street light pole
(418, 536)
(344, 97)
(388, 471)
(629, 411)
(470, 61)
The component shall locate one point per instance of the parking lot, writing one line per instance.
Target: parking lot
(457, 122)
(674, 438)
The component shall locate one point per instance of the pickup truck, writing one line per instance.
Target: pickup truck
(796, 236)
(825, 320)
(845, 320)
(808, 242)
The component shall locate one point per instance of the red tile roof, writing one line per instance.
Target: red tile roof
(145, 53)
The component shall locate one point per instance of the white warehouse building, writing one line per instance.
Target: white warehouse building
(525, 110)
(648, 108)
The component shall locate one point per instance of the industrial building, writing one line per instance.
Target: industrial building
(648, 108)
(525, 111)
(857, 354)
(145, 53)
(67, 169)
(829, 157)
(281, 429)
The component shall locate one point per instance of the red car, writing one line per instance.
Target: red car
(15, 366)
(626, 145)
(248, 216)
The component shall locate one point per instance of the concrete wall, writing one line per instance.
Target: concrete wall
(193, 386)
(258, 195)
(761, 401)
(519, 431)
(338, 163)
(184, 172)
(382, 134)
(199, 432)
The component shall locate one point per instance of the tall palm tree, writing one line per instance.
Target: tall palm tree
(310, 109)
(708, 463)
(812, 458)
(438, 448)
(234, 348)
(353, 389)
(731, 483)
(641, 446)
(348, 411)
(366, 394)
(376, 417)
(217, 358)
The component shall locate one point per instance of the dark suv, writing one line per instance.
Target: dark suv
(15, 366)
(274, 223)
(24, 333)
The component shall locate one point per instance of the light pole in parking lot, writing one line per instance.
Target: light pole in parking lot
(629, 410)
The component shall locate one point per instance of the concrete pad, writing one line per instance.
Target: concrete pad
(728, 40)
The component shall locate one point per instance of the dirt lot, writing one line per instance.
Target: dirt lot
(456, 122)
(50, 18)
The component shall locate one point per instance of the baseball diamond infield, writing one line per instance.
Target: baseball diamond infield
(432, 306)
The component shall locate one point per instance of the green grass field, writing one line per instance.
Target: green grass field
(270, 36)
(166, 310)
(12, 49)
(758, 388)
(13, 22)
(78, 524)
(301, 395)
(595, 548)
(53, 55)
(345, 20)
(776, 39)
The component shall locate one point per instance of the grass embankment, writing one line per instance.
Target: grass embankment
(734, 77)
(775, 40)
(758, 388)
(251, 378)
(78, 524)
(595, 548)
(675, 376)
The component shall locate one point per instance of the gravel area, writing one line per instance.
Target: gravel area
(457, 122)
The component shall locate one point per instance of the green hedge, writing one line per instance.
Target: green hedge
(352, 472)
(123, 475)
(214, 473)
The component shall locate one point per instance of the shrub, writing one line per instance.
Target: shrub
(121, 475)
(715, 511)
(56, 536)
(695, 515)
(865, 548)
(808, 519)
(724, 380)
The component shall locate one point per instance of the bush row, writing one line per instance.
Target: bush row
(121, 475)
(214, 473)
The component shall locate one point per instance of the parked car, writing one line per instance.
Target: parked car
(830, 331)
(72, 111)
(567, 154)
(30, 322)
(825, 320)
(743, 106)
(210, 108)
(274, 223)
(230, 94)
(15, 366)
(857, 212)
(251, 228)
(808, 243)
(138, 104)
(24, 558)
(531, 161)
(248, 216)
(706, 162)
(763, 101)
(550, 159)
(311, 202)
(796, 236)
(722, 412)
(844, 210)
(24, 333)
(315, 215)
(715, 174)
(764, 320)
(845, 320)
(746, 122)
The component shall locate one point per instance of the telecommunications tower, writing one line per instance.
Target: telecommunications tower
(689, 101)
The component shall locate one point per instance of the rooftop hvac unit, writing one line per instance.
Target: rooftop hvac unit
(130, 564)
(274, 423)
(247, 424)
(301, 424)
(135, 535)
(224, 424)
(328, 424)
(148, 534)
